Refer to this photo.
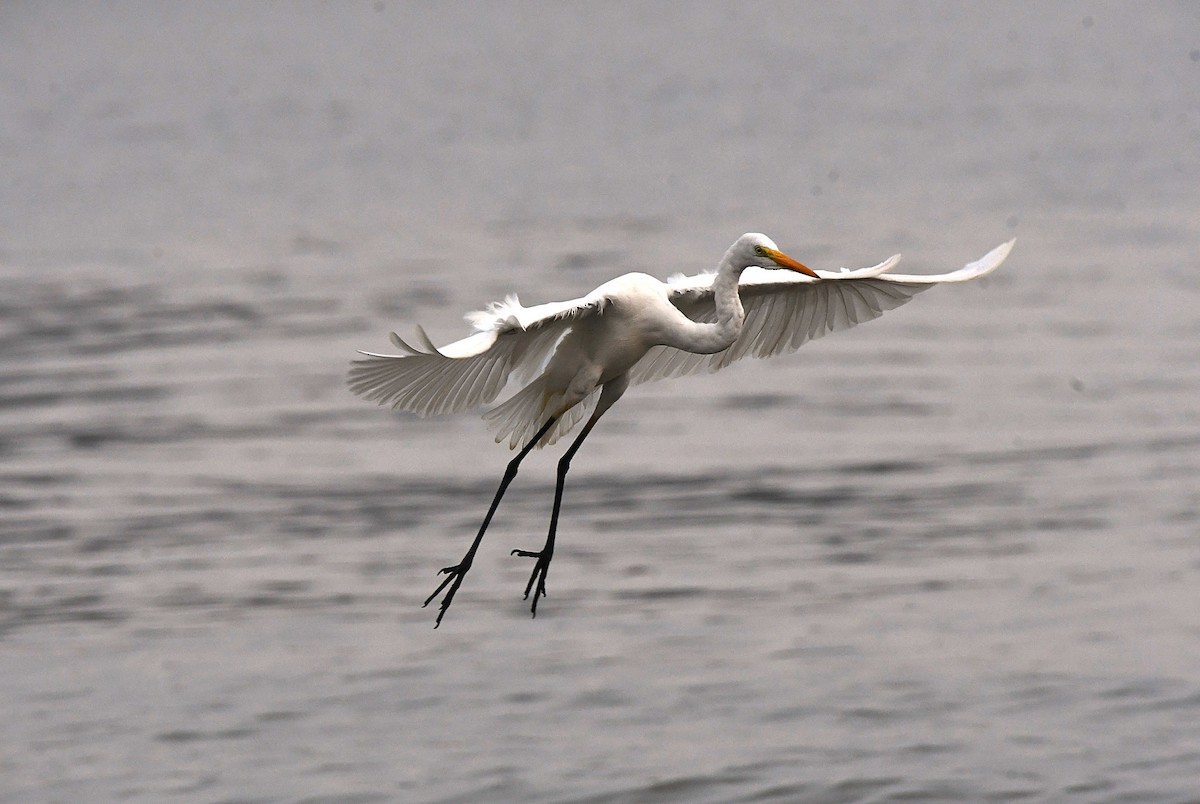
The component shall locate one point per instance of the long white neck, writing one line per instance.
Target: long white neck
(707, 339)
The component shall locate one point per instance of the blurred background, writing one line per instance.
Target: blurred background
(951, 554)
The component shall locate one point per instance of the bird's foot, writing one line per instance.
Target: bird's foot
(454, 578)
(537, 579)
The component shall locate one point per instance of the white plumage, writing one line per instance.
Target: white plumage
(577, 357)
(783, 311)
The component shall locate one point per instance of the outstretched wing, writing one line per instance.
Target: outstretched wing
(785, 310)
(509, 339)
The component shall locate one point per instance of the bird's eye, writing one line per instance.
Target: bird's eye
(760, 251)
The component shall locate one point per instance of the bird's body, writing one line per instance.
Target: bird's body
(578, 357)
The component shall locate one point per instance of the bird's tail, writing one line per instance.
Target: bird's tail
(518, 418)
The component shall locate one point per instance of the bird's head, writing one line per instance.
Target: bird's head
(757, 249)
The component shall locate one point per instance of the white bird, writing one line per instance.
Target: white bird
(577, 357)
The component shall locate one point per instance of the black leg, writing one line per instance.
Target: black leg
(543, 556)
(454, 575)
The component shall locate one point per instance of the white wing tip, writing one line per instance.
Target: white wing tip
(992, 260)
(972, 270)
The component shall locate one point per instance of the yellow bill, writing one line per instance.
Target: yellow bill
(784, 261)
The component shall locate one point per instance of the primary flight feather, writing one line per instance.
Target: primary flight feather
(577, 357)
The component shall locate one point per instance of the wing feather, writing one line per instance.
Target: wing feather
(785, 310)
(820, 316)
(510, 340)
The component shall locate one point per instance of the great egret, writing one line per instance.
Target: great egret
(580, 355)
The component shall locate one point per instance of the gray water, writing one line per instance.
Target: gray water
(949, 555)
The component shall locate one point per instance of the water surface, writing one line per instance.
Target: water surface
(951, 554)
